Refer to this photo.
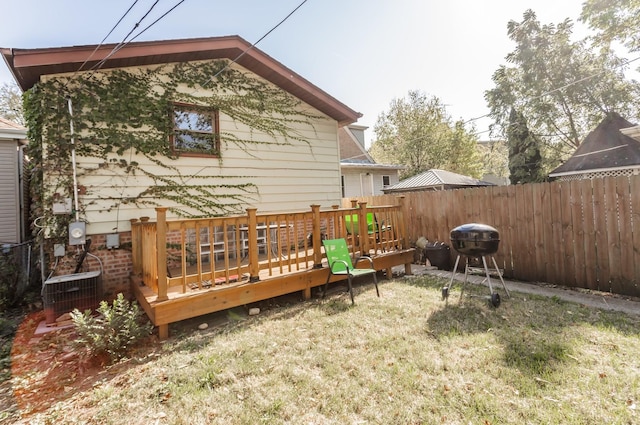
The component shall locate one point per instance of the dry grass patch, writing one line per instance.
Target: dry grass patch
(402, 358)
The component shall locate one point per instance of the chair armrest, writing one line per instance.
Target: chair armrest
(346, 266)
(363, 258)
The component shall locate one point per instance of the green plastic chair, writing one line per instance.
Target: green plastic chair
(351, 223)
(340, 264)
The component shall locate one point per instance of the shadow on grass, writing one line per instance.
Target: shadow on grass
(536, 333)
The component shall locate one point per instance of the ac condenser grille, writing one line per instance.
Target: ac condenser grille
(62, 294)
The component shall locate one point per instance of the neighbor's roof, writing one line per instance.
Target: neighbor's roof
(11, 130)
(435, 179)
(28, 65)
(606, 147)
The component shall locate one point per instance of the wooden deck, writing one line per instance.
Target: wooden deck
(188, 268)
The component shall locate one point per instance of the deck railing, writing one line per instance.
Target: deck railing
(199, 253)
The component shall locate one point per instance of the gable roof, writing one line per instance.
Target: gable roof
(28, 65)
(605, 147)
(436, 179)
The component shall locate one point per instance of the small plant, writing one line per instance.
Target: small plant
(114, 331)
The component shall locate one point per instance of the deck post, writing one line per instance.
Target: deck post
(316, 237)
(363, 229)
(136, 247)
(161, 249)
(252, 245)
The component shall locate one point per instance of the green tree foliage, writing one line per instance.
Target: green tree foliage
(525, 160)
(494, 155)
(614, 21)
(562, 88)
(11, 103)
(418, 132)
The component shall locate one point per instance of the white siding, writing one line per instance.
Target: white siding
(9, 192)
(288, 177)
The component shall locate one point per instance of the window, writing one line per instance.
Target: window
(385, 180)
(195, 131)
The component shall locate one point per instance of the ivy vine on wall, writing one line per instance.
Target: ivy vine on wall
(122, 113)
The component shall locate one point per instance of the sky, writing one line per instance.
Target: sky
(365, 53)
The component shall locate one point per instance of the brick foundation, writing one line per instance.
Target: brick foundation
(116, 264)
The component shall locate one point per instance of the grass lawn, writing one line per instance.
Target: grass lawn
(403, 358)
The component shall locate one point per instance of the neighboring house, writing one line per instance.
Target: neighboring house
(361, 176)
(609, 150)
(435, 180)
(205, 126)
(13, 138)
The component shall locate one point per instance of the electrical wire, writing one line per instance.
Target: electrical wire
(624, 63)
(106, 36)
(124, 41)
(254, 44)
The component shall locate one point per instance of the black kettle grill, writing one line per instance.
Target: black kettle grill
(476, 240)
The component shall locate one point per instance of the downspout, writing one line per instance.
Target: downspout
(73, 161)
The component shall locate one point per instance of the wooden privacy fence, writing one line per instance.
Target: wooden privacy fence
(582, 233)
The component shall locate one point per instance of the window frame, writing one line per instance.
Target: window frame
(214, 116)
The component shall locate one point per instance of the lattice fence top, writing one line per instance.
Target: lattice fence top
(600, 174)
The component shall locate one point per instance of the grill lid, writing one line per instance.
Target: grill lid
(475, 239)
(475, 232)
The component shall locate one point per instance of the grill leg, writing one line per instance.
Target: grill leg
(500, 276)
(466, 277)
(445, 290)
(486, 270)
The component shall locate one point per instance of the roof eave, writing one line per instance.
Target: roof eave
(28, 65)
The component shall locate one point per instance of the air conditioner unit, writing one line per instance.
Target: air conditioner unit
(63, 294)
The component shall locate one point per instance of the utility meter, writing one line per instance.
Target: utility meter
(77, 233)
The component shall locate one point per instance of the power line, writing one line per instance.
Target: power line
(124, 41)
(563, 87)
(256, 43)
(106, 36)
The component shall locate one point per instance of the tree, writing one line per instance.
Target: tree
(11, 103)
(614, 21)
(418, 132)
(560, 87)
(525, 160)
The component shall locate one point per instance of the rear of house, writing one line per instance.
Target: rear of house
(176, 124)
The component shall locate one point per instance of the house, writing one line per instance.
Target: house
(361, 175)
(204, 126)
(435, 180)
(608, 150)
(13, 138)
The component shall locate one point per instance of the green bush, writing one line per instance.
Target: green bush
(114, 330)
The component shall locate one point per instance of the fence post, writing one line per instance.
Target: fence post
(161, 249)
(402, 202)
(316, 237)
(252, 244)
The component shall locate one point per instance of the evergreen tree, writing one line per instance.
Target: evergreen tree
(525, 160)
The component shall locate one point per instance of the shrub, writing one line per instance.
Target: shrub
(114, 330)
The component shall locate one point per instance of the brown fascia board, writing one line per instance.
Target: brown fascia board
(28, 65)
